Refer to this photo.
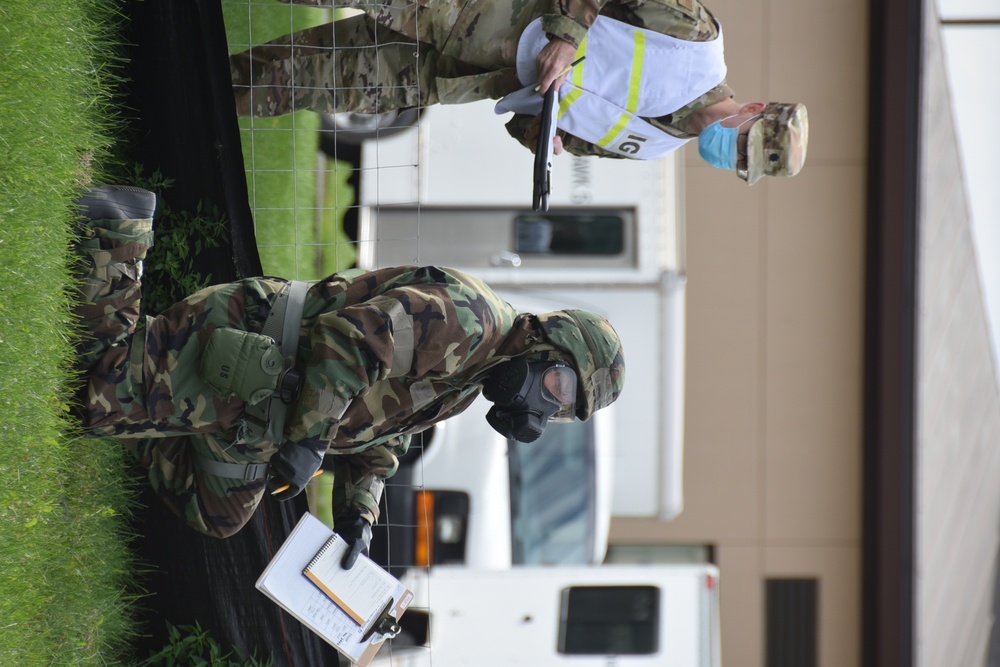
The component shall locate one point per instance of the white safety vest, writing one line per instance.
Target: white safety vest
(629, 73)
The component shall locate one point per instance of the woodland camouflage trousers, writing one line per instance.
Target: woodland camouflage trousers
(115, 399)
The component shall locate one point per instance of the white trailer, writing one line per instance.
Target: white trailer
(456, 191)
(607, 616)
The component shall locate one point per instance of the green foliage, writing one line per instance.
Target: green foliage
(171, 264)
(173, 270)
(319, 494)
(191, 646)
(90, 564)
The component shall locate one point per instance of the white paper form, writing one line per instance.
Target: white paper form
(283, 582)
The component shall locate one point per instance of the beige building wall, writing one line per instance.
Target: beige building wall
(775, 336)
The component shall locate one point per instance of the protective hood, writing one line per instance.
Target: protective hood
(593, 347)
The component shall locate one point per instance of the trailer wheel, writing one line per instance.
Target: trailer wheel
(353, 128)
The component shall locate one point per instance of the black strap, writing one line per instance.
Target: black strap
(266, 420)
(245, 471)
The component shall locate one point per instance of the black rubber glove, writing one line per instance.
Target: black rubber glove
(357, 532)
(292, 467)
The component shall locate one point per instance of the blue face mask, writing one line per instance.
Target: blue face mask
(717, 144)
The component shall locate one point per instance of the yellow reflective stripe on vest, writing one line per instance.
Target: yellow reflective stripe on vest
(576, 78)
(566, 102)
(615, 130)
(581, 51)
(635, 78)
(638, 59)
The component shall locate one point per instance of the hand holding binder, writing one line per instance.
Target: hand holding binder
(357, 532)
(545, 148)
(364, 592)
(544, 152)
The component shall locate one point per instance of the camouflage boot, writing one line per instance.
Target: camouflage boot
(115, 231)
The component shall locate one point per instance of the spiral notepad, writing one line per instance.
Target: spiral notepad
(362, 592)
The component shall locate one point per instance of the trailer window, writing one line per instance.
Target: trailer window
(569, 234)
(609, 620)
(553, 512)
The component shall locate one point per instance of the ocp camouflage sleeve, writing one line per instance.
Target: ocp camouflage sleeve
(359, 479)
(684, 19)
(569, 20)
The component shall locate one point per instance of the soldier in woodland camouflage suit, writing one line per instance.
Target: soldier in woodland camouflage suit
(416, 53)
(383, 355)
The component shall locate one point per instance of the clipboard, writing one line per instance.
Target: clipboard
(385, 627)
(286, 585)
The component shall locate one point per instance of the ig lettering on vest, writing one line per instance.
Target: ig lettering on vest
(632, 144)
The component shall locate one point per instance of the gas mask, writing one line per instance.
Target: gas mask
(529, 395)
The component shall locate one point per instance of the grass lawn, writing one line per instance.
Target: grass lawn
(63, 599)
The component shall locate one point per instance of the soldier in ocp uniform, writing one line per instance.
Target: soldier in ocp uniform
(652, 79)
(375, 357)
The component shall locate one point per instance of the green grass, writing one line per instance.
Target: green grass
(297, 197)
(319, 493)
(63, 599)
(335, 250)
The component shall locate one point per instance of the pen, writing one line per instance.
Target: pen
(287, 486)
(565, 69)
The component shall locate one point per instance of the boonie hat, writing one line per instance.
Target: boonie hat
(777, 142)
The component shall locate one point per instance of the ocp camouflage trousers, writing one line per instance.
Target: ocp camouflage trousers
(399, 54)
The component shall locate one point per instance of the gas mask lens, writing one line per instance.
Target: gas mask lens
(559, 387)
